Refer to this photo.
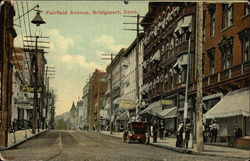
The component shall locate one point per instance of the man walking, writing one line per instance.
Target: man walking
(214, 130)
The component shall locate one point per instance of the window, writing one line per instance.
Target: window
(247, 9)
(212, 8)
(244, 37)
(226, 48)
(246, 50)
(211, 55)
(227, 15)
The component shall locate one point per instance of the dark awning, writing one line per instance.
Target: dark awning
(153, 109)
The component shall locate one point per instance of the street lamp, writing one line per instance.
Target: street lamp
(37, 21)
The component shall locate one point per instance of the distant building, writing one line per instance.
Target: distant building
(97, 89)
(85, 106)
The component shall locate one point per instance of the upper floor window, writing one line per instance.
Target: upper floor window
(245, 42)
(227, 15)
(212, 8)
(211, 55)
(226, 48)
(247, 8)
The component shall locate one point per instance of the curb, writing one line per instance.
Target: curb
(180, 150)
(20, 142)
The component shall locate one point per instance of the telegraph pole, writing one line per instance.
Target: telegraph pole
(49, 73)
(111, 79)
(7, 14)
(198, 110)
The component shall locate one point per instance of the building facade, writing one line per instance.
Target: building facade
(168, 27)
(226, 65)
(97, 89)
(85, 106)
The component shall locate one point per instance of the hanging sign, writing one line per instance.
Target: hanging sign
(31, 89)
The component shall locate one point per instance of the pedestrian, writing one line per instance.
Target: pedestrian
(237, 133)
(214, 130)
(187, 134)
(204, 131)
(155, 132)
(179, 135)
(161, 130)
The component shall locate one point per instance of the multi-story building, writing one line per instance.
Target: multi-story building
(130, 98)
(21, 101)
(85, 106)
(115, 84)
(97, 89)
(227, 65)
(168, 27)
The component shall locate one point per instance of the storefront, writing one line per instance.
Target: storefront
(232, 109)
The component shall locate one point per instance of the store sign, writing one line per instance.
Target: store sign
(31, 89)
(127, 104)
(167, 102)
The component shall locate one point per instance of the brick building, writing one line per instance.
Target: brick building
(97, 89)
(227, 65)
(167, 29)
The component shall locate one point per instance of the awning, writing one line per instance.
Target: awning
(209, 97)
(107, 92)
(116, 101)
(153, 109)
(187, 21)
(168, 113)
(23, 105)
(107, 106)
(157, 56)
(233, 104)
(124, 116)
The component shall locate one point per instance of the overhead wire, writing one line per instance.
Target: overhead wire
(26, 56)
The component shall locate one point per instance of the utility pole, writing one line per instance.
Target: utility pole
(6, 49)
(137, 63)
(189, 33)
(198, 110)
(111, 95)
(49, 74)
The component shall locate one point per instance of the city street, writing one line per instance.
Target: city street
(81, 146)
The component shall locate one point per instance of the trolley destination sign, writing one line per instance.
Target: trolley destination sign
(31, 89)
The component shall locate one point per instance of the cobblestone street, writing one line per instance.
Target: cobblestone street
(81, 146)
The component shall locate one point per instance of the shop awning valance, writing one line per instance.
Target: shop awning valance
(233, 104)
(168, 113)
(153, 109)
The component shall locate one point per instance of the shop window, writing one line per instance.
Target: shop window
(227, 15)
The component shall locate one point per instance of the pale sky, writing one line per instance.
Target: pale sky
(77, 41)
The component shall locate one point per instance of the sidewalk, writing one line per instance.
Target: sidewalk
(210, 150)
(19, 137)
